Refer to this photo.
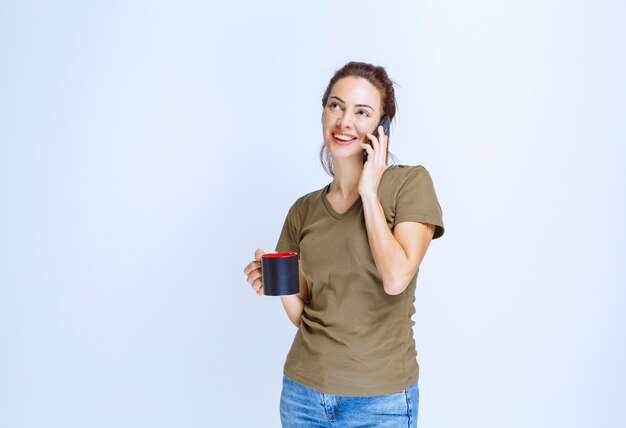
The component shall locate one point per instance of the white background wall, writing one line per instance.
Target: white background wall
(140, 147)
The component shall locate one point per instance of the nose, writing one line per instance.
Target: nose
(344, 122)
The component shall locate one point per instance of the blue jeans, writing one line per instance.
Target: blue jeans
(304, 407)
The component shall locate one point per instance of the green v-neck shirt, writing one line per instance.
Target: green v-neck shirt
(354, 338)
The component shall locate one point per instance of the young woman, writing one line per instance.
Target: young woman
(360, 241)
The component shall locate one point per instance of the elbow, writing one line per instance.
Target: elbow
(394, 288)
(398, 283)
(297, 321)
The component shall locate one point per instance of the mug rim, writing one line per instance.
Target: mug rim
(280, 254)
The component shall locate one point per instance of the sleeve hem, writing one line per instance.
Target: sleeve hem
(287, 249)
(422, 218)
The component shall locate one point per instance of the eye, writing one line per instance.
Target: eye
(332, 104)
(363, 111)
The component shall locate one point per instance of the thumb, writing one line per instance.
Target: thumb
(257, 254)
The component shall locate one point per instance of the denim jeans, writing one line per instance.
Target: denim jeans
(301, 406)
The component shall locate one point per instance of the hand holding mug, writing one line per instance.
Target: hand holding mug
(254, 273)
(274, 274)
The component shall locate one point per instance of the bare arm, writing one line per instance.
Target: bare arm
(398, 255)
(294, 304)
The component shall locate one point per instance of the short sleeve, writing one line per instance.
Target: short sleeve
(288, 240)
(417, 201)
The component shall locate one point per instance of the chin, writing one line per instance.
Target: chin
(341, 155)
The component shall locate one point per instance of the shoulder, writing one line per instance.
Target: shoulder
(310, 197)
(407, 169)
(399, 174)
(304, 202)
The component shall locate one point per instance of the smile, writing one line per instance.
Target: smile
(343, 139)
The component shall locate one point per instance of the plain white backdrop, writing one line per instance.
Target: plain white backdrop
(148, 148)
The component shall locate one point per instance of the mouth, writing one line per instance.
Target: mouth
(343, 139)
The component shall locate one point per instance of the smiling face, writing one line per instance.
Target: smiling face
(353, 109)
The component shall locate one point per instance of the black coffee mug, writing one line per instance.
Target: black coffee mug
(280, 274)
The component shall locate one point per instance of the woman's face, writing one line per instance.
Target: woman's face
(353, 109)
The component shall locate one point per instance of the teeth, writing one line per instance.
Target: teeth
(343, 137)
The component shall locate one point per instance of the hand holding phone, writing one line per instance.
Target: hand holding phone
(384, 122)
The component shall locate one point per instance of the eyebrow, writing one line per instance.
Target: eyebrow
(356, 105)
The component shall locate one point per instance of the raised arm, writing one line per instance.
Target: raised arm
(397, 255)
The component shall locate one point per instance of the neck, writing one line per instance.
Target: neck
(347, 176)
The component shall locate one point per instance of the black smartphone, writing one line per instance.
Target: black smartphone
(385, 123)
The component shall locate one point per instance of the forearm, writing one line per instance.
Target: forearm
(389, 256)
(294, 306)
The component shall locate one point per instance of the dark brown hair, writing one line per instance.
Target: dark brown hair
(377, 76)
